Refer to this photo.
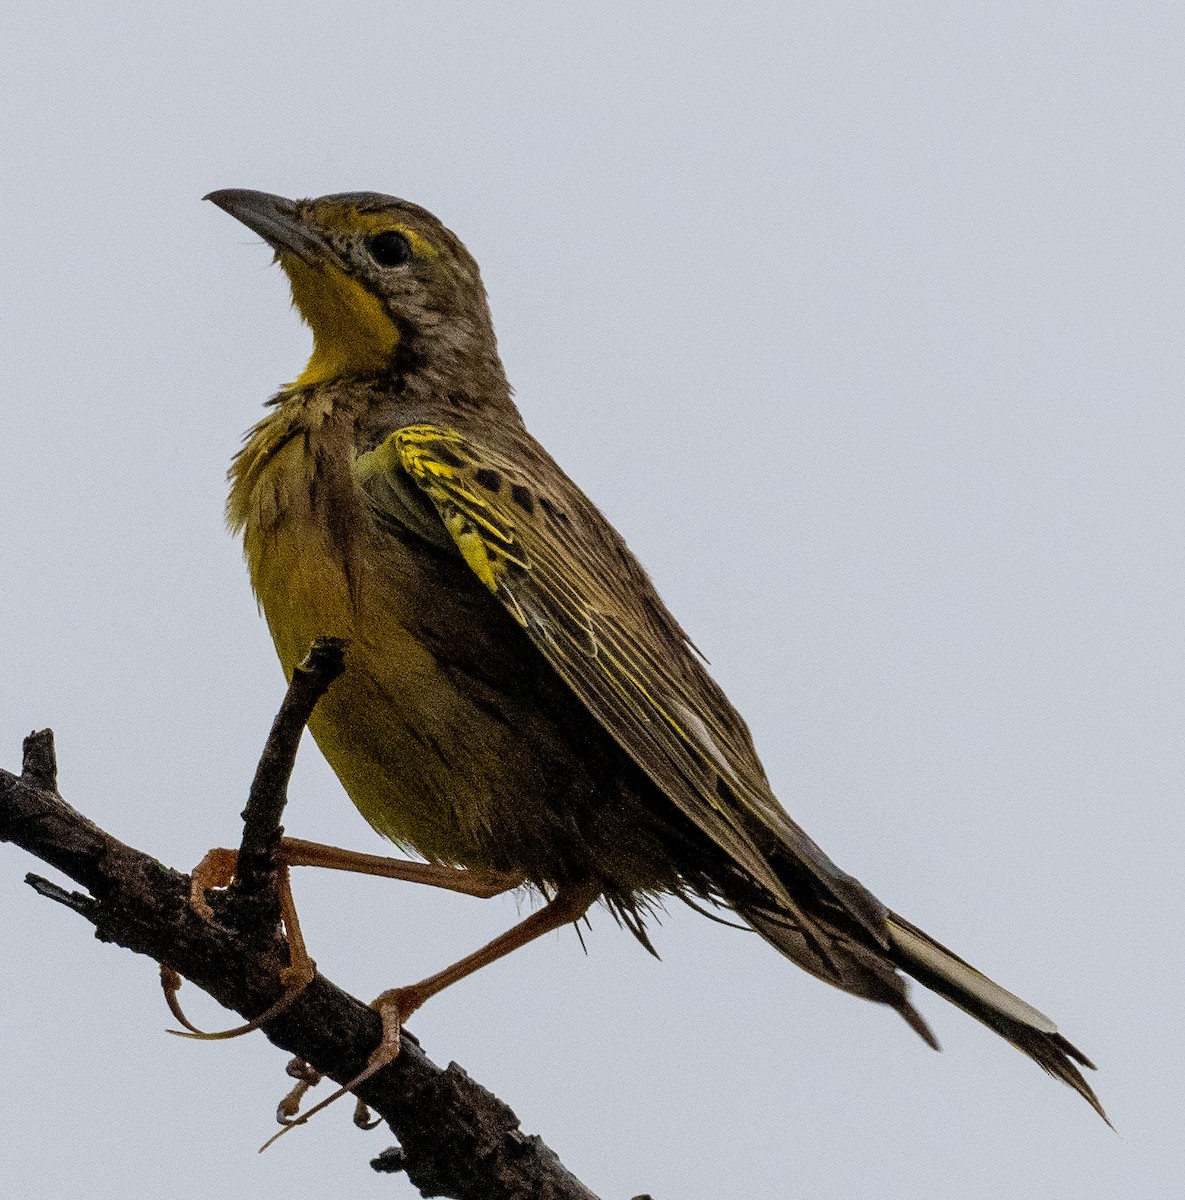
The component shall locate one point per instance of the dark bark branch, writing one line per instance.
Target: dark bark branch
(255, 871)
(456, 1138)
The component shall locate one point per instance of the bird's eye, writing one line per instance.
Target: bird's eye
(390, 249)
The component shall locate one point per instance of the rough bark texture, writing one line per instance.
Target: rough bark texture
(456, 1138)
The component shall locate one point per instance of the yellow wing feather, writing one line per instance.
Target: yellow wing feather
(614, 647)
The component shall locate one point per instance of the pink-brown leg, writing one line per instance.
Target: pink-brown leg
(217, 868)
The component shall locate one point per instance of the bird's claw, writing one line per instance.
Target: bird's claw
(394, 1007)
(306, 1076)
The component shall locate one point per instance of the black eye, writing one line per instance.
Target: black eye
(390, 249)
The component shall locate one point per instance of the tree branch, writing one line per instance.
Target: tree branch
(255, 869)
(456, 1138)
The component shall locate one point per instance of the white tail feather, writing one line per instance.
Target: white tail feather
(966, 978)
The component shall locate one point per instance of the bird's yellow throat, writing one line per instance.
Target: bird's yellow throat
(353, 334)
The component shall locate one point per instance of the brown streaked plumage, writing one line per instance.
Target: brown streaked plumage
(517, 698)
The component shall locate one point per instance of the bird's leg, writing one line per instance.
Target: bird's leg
(217, 870)
(569, 904)
(469, 881)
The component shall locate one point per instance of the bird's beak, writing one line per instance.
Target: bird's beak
(275, 219)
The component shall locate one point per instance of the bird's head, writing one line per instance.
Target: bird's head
(384, 286)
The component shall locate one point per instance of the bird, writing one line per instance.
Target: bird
(518, 706)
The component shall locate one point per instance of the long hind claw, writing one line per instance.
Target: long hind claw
(170, 982)
(296, 979)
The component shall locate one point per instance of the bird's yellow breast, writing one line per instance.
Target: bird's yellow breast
(320, 568)
(298, 571)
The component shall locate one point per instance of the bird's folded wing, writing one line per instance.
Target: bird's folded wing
(584, 602)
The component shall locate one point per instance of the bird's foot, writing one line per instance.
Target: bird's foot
(216, 871)
(394, 1007)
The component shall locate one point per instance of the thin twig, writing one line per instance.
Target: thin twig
(255, 871)
(78, 901)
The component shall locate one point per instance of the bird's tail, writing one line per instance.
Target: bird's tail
(871, 971)
(1029, 1030)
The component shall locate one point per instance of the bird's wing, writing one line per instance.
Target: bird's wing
(568, 579)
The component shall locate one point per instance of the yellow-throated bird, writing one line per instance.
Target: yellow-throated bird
(518, 705)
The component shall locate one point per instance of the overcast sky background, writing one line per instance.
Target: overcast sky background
(863, 322)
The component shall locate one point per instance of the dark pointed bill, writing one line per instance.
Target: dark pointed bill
(272, 217)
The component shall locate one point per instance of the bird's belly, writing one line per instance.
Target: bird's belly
(449, 731)
(410, 775)
(437, 733)
(395, 729)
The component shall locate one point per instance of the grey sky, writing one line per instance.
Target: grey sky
(864, 324)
